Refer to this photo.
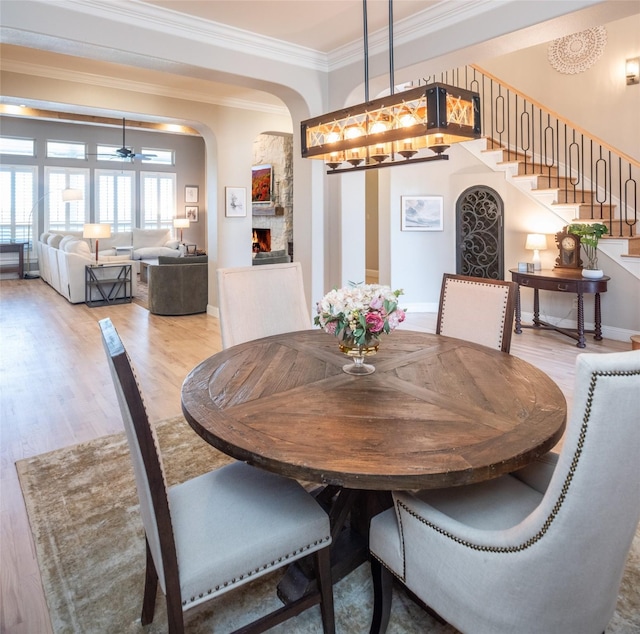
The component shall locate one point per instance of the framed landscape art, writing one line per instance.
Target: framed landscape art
(421, 213)
(261, 183)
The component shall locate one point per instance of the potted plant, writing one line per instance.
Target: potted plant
(590, 233)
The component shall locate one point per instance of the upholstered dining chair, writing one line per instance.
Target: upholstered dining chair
(539, 550)
(259, 301)
(477, 309)
(218, 531)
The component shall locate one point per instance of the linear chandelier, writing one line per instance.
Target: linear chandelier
(392, 130)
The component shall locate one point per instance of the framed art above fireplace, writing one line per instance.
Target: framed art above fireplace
(261, 184)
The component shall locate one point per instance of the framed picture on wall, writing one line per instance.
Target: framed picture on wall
(261, 183)
(191, 213)
(421, 213)
(191, 194)
(235, 202)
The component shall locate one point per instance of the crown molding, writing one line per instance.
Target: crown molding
(415, 27)
(138, 14)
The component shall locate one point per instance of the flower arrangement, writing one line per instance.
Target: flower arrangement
(360, 312)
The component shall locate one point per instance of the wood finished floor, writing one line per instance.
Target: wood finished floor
(55, 391)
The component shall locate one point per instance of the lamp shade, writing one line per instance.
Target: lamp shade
(70, 194)
(536, 241)
(96, 231)
(181, 223)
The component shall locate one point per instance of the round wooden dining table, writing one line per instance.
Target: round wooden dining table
(436, 412)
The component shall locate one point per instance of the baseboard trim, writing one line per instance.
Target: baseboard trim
(608, 332)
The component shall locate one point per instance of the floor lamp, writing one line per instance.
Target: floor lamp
(68, 195)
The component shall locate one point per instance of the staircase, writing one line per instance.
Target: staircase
(568, 172)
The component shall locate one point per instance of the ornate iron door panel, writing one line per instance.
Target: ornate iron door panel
(479, 233)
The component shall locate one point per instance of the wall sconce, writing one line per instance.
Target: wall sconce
(536, 242)
(632, 70)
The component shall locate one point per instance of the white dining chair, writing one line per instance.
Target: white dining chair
(477, 309)
(540, 550)
(218, 531)
(259, 301)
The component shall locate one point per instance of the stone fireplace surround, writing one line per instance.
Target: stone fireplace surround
(276, 150)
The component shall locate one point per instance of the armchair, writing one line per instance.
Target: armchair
(539, 550)
(178, 286)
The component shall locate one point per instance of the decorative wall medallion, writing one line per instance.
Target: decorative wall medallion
(578, 52)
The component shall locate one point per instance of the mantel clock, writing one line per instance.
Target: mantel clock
(569, 251)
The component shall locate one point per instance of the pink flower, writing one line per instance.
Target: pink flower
(331, 327)
(376, 303)
(375, 322)
(396, 318)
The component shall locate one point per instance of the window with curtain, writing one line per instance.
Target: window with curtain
(114, 191)
(17, 199)
(158, 200)
(61, 216)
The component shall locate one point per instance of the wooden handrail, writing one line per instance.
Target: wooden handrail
(557, 116)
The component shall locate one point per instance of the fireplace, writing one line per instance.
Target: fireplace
(261, 240)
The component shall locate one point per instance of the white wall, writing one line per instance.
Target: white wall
(598, 99)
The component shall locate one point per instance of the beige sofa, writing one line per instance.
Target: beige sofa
(63, 256)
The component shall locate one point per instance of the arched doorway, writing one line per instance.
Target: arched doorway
(480, 233)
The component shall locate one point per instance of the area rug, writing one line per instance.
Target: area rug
(84, 516)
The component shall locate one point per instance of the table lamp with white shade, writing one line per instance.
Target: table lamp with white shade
(96, 231)
(181, 223)
(536, 242)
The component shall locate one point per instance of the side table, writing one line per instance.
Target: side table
(17, 248)
(566, 281)
(107, 284)
(188, 248)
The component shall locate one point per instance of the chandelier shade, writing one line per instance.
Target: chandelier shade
(393, 129)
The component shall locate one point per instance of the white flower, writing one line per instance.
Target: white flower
(360, 311)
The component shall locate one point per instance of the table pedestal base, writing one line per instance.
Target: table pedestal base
(350, 513)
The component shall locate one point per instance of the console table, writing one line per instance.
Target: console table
(565, 281)
(108, 284)
(13, 247)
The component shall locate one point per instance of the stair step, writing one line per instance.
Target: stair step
(634, 245)
(565, 196)
(544, 181)
(533, 169)
(587, 212)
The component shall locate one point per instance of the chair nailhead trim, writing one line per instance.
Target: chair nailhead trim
(233, 581)
(557, 506)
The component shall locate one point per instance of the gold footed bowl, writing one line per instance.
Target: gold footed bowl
(358, 354)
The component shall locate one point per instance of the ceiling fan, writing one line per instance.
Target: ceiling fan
(126, 153)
